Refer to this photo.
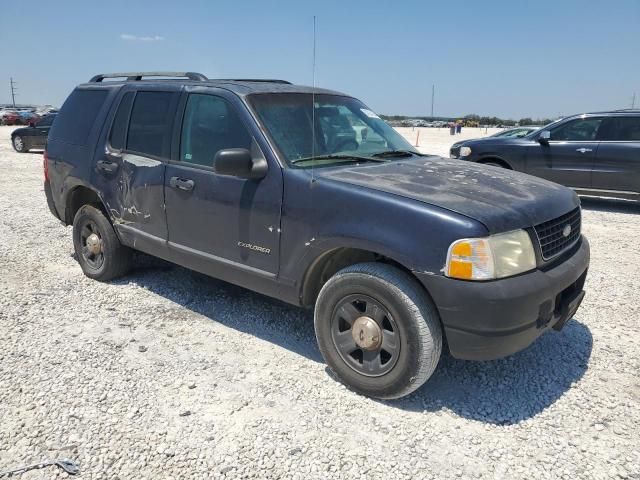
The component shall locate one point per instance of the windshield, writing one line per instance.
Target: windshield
(344, 129)
(515, 132)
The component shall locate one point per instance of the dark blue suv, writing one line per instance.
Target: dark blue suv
(306, 195)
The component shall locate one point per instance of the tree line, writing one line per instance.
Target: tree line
(476, 119)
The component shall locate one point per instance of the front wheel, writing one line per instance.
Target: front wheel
(19, 144)
(378, 330)
(494, 164)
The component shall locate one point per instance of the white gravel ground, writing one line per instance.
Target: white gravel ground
(169, 374)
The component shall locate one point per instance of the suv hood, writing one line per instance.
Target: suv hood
(501, 199)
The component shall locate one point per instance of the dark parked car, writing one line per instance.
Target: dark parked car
(33, 136)
(595, 154)
(240, 180)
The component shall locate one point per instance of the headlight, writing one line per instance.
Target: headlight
(465, 151)
(497, 256)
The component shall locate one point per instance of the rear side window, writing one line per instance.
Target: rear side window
(622, 129)
(77, 116)
(119, 127)
(150, 124)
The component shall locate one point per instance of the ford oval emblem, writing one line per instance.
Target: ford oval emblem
(566, 231)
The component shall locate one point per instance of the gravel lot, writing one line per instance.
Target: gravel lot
(169, 374)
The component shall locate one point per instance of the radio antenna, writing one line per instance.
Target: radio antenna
(313, 103)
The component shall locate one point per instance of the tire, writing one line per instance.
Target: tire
(494, 164)
(404, 316)
(112, 260)
(19, 144)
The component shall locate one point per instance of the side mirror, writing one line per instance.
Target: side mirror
(238, 162)
(544, 137)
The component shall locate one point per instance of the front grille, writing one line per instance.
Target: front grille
(551, 237)
(454, 152)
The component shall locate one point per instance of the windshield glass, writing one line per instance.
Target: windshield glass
(344, 127)
(515, 132)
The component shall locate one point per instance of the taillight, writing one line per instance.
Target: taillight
(45, 166)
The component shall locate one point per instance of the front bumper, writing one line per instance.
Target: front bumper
(488, 320)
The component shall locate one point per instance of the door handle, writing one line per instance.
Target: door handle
(182, 183)
(584, 150)
(107, 166)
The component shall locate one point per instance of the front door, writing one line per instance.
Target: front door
(221, 220)
(567, 158)
(42, 128)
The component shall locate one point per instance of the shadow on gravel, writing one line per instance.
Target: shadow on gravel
(230, 305)
(610, 205)
(505, 391)
(509, 390)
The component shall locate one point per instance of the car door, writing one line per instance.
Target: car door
(42, 128)
(617, 163)
(130, 165)
(218, 219)
(567, 156)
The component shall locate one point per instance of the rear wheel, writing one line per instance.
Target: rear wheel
(19, 144)
(98, 249)
(378, 330)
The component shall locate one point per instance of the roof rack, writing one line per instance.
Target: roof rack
(262, 80)
(137, 76)
(627, 110)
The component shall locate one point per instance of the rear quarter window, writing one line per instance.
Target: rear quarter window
(77, 116)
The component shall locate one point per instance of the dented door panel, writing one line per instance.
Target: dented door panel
(132, 186)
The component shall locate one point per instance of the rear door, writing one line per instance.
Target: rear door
(130, 169)
(217, 219)
(568, 156)
(617, 164)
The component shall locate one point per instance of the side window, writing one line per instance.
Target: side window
(119, 127)
(150, 124)
(45, 121)
(210, 124)
(627, 129)
(77, 116)
(581, 129)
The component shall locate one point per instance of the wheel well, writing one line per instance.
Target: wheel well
(78, 197)
(323, 268)
(499, 161)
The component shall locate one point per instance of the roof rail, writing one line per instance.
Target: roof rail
(262, 80)
(137, 76)
(627, 110)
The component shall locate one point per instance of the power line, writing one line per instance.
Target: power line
(13, 91)
(433, 94)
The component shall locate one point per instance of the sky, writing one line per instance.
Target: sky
(505, 58)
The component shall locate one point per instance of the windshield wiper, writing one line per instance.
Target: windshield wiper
(353, 158)
(397, 153)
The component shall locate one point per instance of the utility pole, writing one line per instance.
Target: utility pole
(433, 93)
(13, 91)
(633, 101)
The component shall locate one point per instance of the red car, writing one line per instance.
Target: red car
(11, 118)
